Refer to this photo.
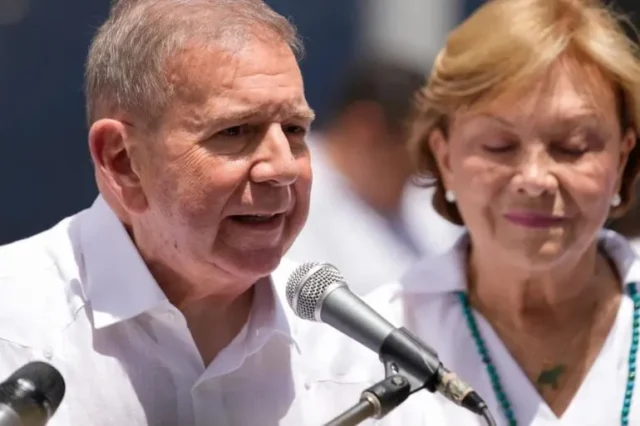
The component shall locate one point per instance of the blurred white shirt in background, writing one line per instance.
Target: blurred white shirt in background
(366, 247)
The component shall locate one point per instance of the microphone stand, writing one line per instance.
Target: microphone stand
(408, 371)
(376, 401)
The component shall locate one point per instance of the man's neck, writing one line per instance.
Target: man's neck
(215, 311)
(215, 321)
(215, 308)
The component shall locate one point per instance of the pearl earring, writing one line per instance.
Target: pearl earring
(616, 200)
(450, 196)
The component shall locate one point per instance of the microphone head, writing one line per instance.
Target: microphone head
(307, 287)
(42, 382)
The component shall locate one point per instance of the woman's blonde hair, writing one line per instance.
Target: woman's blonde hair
(508, 45)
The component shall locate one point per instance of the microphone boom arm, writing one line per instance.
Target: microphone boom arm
(376, 401)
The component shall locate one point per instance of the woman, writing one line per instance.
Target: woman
(528, 128)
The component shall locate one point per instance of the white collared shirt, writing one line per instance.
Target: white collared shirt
(425, 302)
(80, 297)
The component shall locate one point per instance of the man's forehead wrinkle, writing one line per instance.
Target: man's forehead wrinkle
(244, 107)
(210, 81)
(223, 90)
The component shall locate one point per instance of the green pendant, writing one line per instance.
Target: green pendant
(551, 377)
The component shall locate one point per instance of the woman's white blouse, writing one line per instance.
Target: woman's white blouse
(424, 300)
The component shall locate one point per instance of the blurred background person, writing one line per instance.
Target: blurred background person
(367, 217)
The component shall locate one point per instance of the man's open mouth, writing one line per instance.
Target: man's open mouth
(259, 218)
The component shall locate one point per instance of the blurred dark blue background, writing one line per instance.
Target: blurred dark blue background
(45, 170)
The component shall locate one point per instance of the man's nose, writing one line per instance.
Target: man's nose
(275, 161)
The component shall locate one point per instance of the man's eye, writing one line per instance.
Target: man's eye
(233, 131)
(295, 129)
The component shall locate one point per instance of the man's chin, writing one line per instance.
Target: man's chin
(254, 263)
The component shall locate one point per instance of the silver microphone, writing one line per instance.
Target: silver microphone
(319, 292)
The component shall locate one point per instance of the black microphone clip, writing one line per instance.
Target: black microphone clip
(402, 353)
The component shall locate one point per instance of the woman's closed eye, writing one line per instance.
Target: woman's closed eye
(499, 147)
(557, 148)
(569, 150)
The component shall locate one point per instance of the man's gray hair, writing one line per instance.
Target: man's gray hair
(126, 66)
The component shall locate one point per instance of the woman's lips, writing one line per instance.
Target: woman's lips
(534, 220)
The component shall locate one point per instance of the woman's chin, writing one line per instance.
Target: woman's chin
(538, 254)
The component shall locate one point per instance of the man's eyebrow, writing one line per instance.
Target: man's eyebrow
(305, 114)
(297, 113)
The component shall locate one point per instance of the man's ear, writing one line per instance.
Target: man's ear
(112, 152)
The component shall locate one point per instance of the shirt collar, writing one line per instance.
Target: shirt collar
(447, 272)
(279, 315)
(270, 318)
(119, 285)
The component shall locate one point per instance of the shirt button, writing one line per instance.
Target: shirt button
(307, 386)
(47, 353)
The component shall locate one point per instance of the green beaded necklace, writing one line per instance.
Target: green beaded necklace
(493, 372)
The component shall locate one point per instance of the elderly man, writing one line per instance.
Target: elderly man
(161, 304)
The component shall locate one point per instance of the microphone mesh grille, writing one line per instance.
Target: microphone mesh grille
(296, 279)
(46, 381)
(310, 288)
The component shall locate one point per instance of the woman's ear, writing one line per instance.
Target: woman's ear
(440, 149)
(628, 142)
